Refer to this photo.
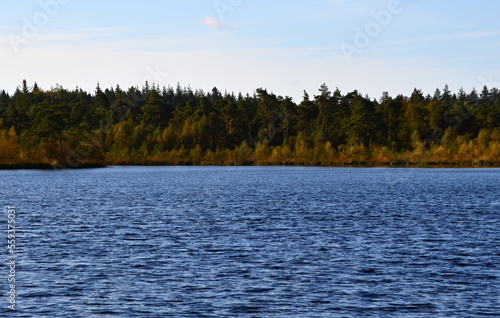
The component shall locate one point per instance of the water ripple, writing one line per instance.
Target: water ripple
(257, 242)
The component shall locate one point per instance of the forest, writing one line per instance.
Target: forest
(151, 125)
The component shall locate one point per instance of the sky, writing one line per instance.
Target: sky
(285, 46)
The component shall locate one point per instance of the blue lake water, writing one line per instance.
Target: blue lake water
(254, 242)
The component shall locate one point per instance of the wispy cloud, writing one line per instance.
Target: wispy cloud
(67, 36)
(449, 37)
(461, 36)
(111, 64)
(212, 22)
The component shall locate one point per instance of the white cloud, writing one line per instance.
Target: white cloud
(212, 22)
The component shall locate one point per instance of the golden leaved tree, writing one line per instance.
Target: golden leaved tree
(9, 145)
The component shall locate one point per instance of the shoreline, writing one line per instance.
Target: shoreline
(48, 166)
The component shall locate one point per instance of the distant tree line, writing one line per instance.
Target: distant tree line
(178, 125)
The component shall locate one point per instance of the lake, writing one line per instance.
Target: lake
(253, 242)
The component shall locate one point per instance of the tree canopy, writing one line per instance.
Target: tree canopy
(178, 125)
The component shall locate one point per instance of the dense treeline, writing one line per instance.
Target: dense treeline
(153, 125)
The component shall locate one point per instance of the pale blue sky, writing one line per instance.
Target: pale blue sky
(240, 45)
